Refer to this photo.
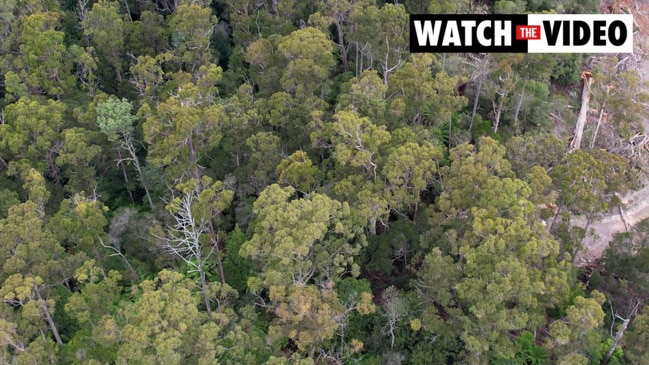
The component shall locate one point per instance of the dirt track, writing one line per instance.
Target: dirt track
(637, 209)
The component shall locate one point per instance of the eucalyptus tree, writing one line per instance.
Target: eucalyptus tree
(116, 122)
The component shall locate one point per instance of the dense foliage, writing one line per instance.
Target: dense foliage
(281, 182)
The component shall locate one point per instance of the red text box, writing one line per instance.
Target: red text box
(528, 32)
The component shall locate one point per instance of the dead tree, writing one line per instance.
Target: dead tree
(620, 331)
(587, 79)
(184, 241)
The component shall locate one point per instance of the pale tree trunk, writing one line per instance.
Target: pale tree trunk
(372, 227)
(341, 43)
(128, 10)
(204, 290)
(118, 252)
(481, 77)
(184, 242)
(554, 220)
(131, 150)
(48, 318)
(119, 155)
(599, 123)
(583, 112)
(498, 111)
(215, 243)
(620, 332)
(194, 159)
(519, 105)
(475, 102)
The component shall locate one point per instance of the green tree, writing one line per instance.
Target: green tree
(495, 269)
(542, 149)
(356, 141)
(336, 12)
(235, 267)
(33, 265)
(185, 127)
(576, 336)
(637, 338)
(408, 170)
(311, 316)
(75, 158)
(191, 30)
(79, 224)
(99, 296)
(147, 75)
(43, 62)
(588, 182)
(422, 97)
(264, 156)
(310, 59)
(266, 64)
(299, 172)
(383, 48)
(146, 36)
(105, 28)
(116, 122)
(31, 135)
(367, 95)
(163, 324)
(300, 240)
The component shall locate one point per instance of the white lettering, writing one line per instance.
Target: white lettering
(503, 32)
(427, 33)
(468, 31)
(481, 38)
(452, 35)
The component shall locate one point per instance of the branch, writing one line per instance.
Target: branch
(119, 253)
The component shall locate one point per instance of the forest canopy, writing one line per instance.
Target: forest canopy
(283, 182)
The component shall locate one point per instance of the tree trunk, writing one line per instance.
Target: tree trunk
(119, 155)
(372, 227)
(481, 78)
(48, 318)
(136, 162)
(341, 44)
(619, 334)
(554, 220)
(583, 112)
(475, 102)
(519, 104)
(194, 159)
(128, 10)
(215, 244)
(119, 253)
(201, 271)
(498, 111)
(599, 122)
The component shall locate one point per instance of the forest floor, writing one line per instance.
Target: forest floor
(636, 203)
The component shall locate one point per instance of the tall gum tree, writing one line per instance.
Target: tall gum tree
(495, 269)
(191, 27)
(185, 127)
(43, 62)
(302, 240)
(116, 121)
(105, 28)
(31, 135)
(310, 58)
